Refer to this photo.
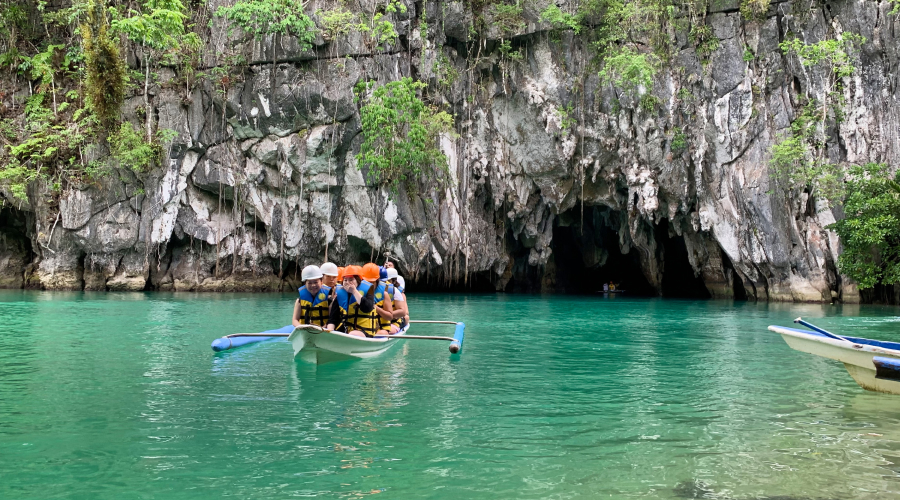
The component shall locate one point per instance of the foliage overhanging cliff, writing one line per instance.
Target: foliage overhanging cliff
(655, 134)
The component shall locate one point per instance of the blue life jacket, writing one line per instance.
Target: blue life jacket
(315, 308)
(354, 317)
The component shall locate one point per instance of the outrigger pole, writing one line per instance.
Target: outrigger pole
(458, 335)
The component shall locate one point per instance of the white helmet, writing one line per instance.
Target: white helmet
(311, 273)
(392, 273)
(329, 269)
(401, 282)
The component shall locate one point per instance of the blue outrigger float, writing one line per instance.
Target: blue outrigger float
(873, 364)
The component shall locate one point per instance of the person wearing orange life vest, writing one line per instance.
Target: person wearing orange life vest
(353, 310)
(401, 308)
(311, 307)
(383, 303)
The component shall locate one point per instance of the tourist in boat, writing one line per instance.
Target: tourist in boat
(353, 310)
(330, 278)
(311, 308)
(329, 274)
(401, 309)
(383, 303)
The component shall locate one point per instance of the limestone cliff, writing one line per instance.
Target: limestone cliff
(550, 165)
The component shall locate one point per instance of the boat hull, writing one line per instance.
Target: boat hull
(318, 346)
(857, 356)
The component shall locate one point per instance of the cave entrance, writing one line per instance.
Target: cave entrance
(679, 280)
(585, 256)
(16, 252)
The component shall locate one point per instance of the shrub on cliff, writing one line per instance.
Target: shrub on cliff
(401, 134)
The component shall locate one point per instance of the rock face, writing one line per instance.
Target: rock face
(261, 178)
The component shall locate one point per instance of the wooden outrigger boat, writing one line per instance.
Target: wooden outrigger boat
(314, 344)
(873, 364)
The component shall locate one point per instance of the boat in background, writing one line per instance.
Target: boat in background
(873, 364)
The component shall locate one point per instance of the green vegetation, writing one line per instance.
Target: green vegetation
(508, 18)
(561, 20)
(870, 233)
(679, 141)
(131, 151)
(799, 159)
(337, 22)
(755, 10)
(401, 135)
(630, 70)
(271, 17)
(159, 29)
(105, 78)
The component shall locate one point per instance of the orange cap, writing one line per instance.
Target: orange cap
(353, 271)
(340, 276)
(371, 272)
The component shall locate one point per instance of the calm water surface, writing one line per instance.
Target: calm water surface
(120, 396)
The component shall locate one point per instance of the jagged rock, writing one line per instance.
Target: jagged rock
(262, 176)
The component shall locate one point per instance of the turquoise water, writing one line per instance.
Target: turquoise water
(120, 396)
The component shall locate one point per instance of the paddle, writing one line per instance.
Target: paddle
(820, 330)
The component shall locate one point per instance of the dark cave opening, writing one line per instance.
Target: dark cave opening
(679, 280)
(587, 256)
(15, 247)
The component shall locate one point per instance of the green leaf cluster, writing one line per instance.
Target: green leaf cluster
(402, 135)
(159, 24)
(755, 10)
(834, 52)
(131, 150)
(338, 22)
(870, 232)
(272, 17)
(46, 144)
(561, 20)
(795, 160)
(630, 70)
(508, 18)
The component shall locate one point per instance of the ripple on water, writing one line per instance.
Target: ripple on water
(119, 396)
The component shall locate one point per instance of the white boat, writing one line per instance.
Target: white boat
(315, 345)
(873, 364)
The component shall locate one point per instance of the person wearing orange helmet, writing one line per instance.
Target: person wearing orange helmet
(383, 301)
(353, 310)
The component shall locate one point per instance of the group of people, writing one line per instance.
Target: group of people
(365, 301)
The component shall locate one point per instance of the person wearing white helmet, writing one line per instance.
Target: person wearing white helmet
(311, 308)
(330, 274)
(401, 308)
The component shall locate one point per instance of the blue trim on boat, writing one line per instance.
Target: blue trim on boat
(225, 343)
(858, 340)
(887, 368)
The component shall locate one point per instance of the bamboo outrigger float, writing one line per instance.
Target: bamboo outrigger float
(873, 364)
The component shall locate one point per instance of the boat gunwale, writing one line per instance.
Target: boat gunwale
(377, 340)
(859, 344)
